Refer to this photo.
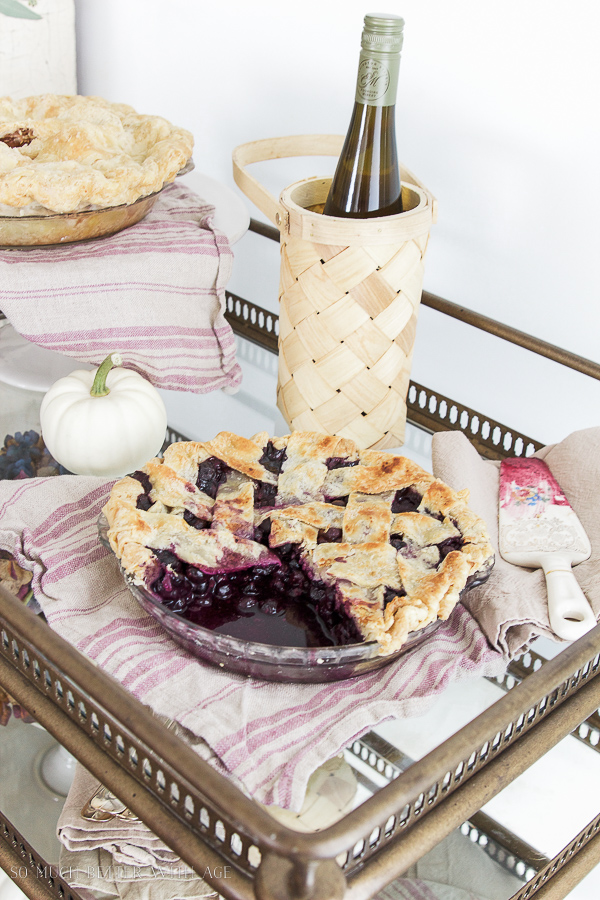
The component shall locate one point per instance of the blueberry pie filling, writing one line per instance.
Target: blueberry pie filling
(336, 462)
(211, 473)
(143, 501)
(272, 458)
(302, 540)
(406, 500)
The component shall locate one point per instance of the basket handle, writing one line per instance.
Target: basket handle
(280, 148)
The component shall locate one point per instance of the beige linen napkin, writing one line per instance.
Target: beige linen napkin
(457, 869)
(123, 856)
(154, 292)
(130, 843)
(96, 872)
(511, 607)
(120, 858)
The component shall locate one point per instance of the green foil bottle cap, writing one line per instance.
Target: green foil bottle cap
(383, 32)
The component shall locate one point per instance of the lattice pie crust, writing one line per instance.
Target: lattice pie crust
(393, 546)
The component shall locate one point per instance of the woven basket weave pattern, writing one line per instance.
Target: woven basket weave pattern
(349, 297)
(347, 325)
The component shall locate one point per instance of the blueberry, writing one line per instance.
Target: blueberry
(196, 576)
(389, 594)
(317, 593)
(269, 607)
(331, 536)
(338, 462)
(296, 579)
(451, 543)
(178, 605)
(246, 603)
(211, 473)
(225, 590)
(167, 557)
(171, 582)
(397, 543)
(273, 459)
(143, 479)
(406, 500)
(194, 521)
(278, 584)
(264, 494)
(333, 462)
(251, 589)
(262, 532)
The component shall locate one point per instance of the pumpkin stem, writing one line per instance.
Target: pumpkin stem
(99, 388)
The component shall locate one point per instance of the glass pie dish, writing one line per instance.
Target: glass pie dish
(266, 661)
(51, 229)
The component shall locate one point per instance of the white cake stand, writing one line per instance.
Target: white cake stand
(32, 368)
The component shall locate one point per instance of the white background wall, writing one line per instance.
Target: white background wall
(498, 115)
(38, 55)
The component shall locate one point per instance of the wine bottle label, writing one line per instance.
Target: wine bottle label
(377, 81)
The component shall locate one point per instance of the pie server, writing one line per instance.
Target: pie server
(538, 529)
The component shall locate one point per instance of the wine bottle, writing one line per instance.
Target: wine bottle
(366, 182)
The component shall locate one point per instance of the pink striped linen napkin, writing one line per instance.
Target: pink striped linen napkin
(268, 737)
(154, 292)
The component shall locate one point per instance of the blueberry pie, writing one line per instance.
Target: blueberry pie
(302, 540)
(62, 153)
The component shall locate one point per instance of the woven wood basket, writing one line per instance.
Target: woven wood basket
(349, 297)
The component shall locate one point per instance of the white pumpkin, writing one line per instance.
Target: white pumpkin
(107, 422)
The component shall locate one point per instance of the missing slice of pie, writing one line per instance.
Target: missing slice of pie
(301, 540)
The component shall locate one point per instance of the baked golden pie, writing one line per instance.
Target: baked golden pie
(302, 540)
(66, 153)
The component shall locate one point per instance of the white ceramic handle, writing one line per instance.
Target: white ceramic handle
(571, 615)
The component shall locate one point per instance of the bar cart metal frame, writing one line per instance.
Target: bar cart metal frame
(214, 827)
